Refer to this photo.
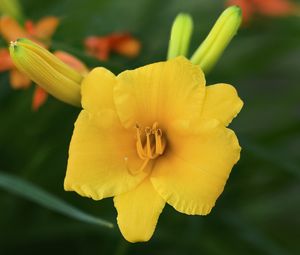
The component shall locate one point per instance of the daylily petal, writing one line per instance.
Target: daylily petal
(192, 174)
(138, 212)
(6, 62)
(18, 80)
(97, 90)
(46, 27)
(72, 61)
(101, 156)
(29, 27)
(160, 92)
(222, 103)
(39, 98)
(10, 29)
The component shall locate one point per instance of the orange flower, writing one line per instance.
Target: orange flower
(271, 8)
(41, 33)
(72, 62)
(276, 7)
(39, 98)
(17, 79)
(10, 30)
(6, 62)
(43, 29)
(122, 43)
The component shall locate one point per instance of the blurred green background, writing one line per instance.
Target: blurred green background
(258, 213)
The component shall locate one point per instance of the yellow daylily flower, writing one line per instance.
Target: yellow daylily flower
(151, 136)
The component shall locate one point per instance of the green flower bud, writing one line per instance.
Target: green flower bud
(180, 36)
(49, 72)
(217, 40)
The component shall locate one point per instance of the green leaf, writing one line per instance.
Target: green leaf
(249, 232)
(267, 155)
(35, 194)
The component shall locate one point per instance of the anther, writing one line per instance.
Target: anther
(155, 126)
(13, 43)
(158, 142)
(139, 145)
(154, 143)
(148, 142)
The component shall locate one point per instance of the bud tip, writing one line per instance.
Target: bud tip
(13, 43)
(237, 8)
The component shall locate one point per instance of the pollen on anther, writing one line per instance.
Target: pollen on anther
(13, 43)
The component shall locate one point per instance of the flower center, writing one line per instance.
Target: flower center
(150, 144)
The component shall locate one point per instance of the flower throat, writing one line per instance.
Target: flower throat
(150, 144)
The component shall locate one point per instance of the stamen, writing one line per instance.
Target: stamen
(13, 43)
(139, 170)
(139, 145)
(159, 146)
(155, 126)
(153, 146)
(148, 132)
(154, 143)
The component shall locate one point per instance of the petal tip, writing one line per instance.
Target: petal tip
(134, 237)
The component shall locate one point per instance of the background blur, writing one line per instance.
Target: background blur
(258, 213)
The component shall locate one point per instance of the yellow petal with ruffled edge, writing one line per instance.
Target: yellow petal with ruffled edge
(138, 212)
(102, 156)
(192, 175)
(222, 103)
(97, 90)
(160, 92)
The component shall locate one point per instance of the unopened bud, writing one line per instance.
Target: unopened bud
(49, 72)
(180, 36)
(218, 39)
